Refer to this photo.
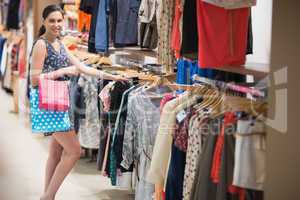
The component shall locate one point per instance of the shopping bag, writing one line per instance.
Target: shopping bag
(53, 95)
(44, 121)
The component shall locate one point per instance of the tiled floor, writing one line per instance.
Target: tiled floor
(22, 160)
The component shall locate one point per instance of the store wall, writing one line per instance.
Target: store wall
(261, 28)
(283, 152)
(38, 7)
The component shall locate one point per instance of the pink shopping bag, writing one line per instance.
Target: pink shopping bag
(53, 95)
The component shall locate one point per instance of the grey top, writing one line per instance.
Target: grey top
(89, 131)
(143, 117)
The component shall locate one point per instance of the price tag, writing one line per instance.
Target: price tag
(181, 116)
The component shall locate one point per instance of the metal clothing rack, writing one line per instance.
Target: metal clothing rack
(231, 86)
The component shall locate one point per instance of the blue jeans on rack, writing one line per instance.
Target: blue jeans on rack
(101, 35)
(186, 70)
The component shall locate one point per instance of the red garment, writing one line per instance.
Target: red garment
(237, 190)
(163, 195)
(22, 60)
(181, 134)
(176, 33)
(217, 157)
(222, 35)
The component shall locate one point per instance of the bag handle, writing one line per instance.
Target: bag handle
(29, 68)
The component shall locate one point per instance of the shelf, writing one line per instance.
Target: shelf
(134, 50)
(257, 70)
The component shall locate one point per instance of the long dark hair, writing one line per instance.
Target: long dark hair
(46, 12)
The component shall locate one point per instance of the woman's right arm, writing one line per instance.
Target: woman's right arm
(39, 54)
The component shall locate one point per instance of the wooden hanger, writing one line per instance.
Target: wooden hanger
(104, 61)
(234, 104)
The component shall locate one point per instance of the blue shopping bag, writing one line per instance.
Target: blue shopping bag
(44, 121)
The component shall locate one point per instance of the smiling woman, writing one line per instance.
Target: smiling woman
(51, 60)
(52, 20)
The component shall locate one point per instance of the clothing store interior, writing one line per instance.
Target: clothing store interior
(194, 119)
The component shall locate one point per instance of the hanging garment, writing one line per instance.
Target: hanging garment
(2, 52)
(250, 36)
(84, 18)
(118, 134)
(165, 55)
(22, 8)
(177, 28)
(203, 181)
(147, 31)
(163, 143)
(89, 128)
(84, 21)
(175, 174)
(87, 6)
(101, 159)
(215, 167)
(116, 94)
(232, 4)
(189, 44)
(101, 35)
(105, 96)
(22, 60)
(197, 134)
(7, 74)
(142, 123)
(148, 36)
(12, 20)
(4, 58)
(147, 10)
(4, 11)
(187, 69)
(92, 33)
(77, 102)
(180, 137)
(15, 56)
(222, 35)
(250, 155)
(174, 186)
(126, 24)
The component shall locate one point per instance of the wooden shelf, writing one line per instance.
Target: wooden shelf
(135, 51)
(257, 70)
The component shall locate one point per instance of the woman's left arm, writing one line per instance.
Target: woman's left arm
(82, 68)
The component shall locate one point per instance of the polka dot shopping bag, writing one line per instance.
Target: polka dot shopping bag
(44, 121)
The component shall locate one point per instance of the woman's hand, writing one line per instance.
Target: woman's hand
(72, 71)
(54, 75)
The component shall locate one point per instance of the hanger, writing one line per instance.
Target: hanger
(234, 104)
(231, 86)
(104, 61)
(209, 98)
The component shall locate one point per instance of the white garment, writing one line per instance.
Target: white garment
(125, 180)
(250, 156)
(147, 10)
(23, 103)
(7, 79)
(162, 149)
(4, 58)
(90, 127)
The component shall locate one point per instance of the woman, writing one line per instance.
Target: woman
(52, 61)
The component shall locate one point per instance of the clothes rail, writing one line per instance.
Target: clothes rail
(230, 86)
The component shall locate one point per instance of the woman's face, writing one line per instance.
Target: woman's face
(54, 23)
